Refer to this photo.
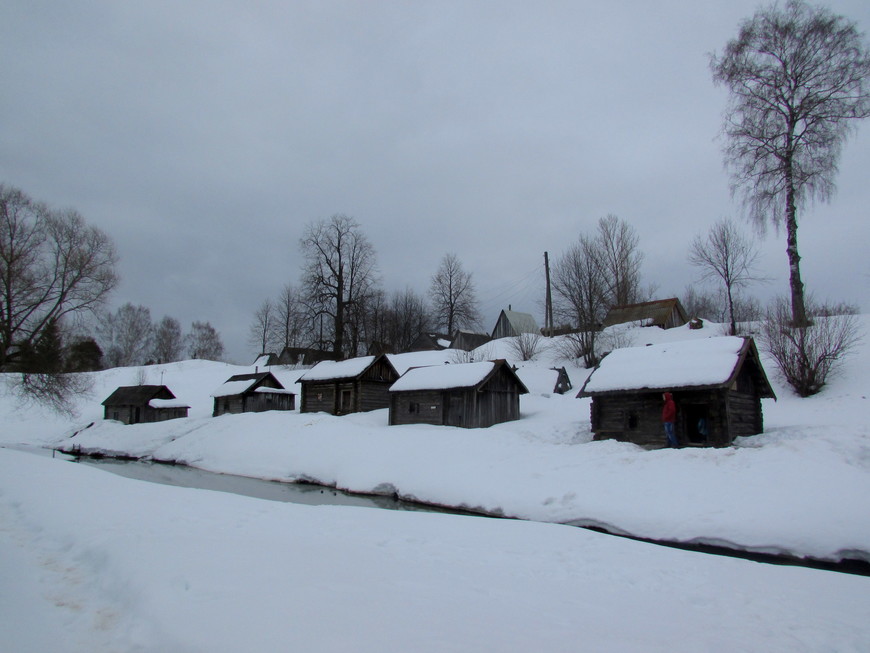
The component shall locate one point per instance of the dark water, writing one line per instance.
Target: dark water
(305, 493)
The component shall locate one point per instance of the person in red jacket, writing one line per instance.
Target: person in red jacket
(669, 416)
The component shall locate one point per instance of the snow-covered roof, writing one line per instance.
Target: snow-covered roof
(241, 383)
(274, 391)
(230, 388)
(685, 363)
(444, 377)
(167, 403)
(347, 369)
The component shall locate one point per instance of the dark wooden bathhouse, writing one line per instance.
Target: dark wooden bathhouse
(717, 384)
(349, 386)
(143, 403)
(663, 313)
(465, 394)
(252, 393)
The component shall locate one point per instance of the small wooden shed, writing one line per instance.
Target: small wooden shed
(252, 393)
(469, 395)
(513, 323)
(143, 403)
(717, 384)
(349, 386)
(663, 313)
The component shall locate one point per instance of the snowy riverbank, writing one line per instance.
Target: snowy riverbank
(800, 488)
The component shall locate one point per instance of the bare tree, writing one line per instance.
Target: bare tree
(168, 341)
(261, 333)
(126, 336)
(727, 255)
(451, 292)
(339, 275)
(620, 260)
(797, 77)
(291, 321)
(407, 317)
(807, 356)
(702, 303)
(52, 265)
(204, 342)
(580, 295)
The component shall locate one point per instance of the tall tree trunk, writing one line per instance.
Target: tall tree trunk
(798, 309)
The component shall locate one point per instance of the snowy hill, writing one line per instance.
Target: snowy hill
(793, 489)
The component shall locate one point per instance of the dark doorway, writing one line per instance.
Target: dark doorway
(697, 425)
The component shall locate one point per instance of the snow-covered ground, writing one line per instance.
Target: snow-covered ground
(94, 562)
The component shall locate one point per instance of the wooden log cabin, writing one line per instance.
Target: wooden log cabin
(469, 395)
(663, 313)
(349, 386)
(717, 384)
(252, 393)
(143, 403)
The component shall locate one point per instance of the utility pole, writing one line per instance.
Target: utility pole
(548, 308)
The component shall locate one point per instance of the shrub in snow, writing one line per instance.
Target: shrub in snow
(807, 356)
(527, 346)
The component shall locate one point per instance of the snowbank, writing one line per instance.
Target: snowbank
(799, 488)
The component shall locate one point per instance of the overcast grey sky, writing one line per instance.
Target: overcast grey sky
(204, 136)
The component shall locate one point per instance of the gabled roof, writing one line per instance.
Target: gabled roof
(708, 363)
(137, 395)
(242, 383)
(656, 312)
(520, 322)
(266, 360)
(456, 376)
(350, 369)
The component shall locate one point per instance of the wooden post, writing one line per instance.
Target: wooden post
(548, 307)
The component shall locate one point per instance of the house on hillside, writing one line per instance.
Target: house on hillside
(349, 386)
(513, 323)
(430, 341)
(252, 393)
(717, 384)
(143, 403)
(469, 395)
(303, 356)
(663, 313)
(265, 360)
(468, 340)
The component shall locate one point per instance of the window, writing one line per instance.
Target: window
(413, 407)
(632, 420)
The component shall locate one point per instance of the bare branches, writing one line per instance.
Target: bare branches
(798, 75)
(339, 275)
(51, 264)
(454, 304)
(727, 255)
(808, 356)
